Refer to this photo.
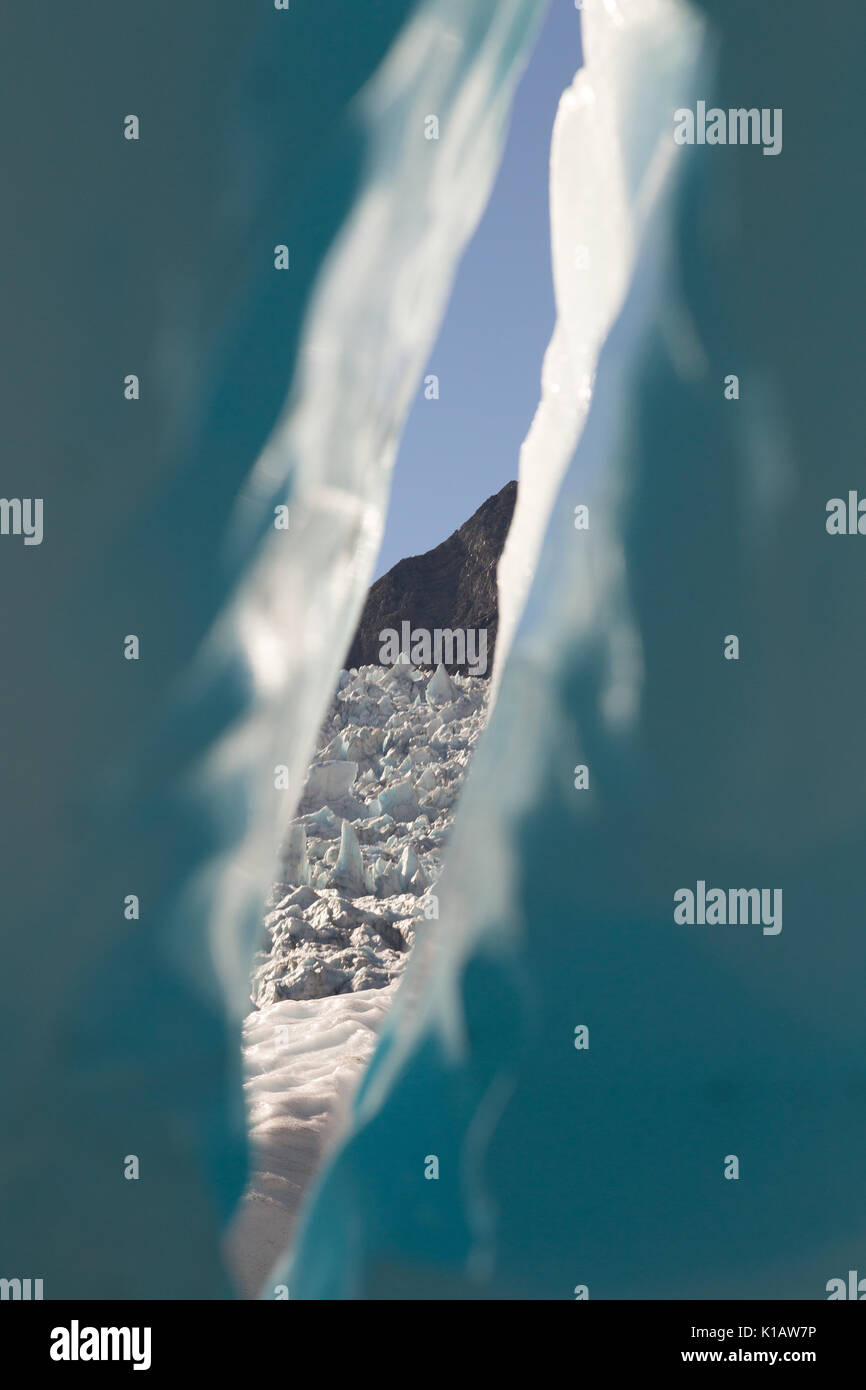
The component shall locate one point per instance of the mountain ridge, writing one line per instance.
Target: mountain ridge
(452, 586)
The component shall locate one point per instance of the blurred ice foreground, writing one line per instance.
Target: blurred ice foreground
(583, 1067)
(559, 1168)
(146, 798)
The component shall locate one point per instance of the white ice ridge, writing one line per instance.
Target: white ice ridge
(608, 151)
(359, 866)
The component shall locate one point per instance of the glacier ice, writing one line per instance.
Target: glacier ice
(328, 783)
(603, 1167)
(303, 1063)
(558, 1167)
(346, 911)
(399, 801)
(348, 874)
(151, 783)
(610, 148)
(295, 865)
(439, 690)
(408, 866)
(335, 940)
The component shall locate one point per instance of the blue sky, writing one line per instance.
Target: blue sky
(460, 449)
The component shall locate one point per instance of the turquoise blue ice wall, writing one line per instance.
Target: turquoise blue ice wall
(140, 803)
(606, 1169)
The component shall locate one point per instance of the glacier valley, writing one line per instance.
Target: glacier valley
(356, 893)
(360, 861)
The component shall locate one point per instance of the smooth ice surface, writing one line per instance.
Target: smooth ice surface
(561, 1168)
(170, 779)
(303, 1061)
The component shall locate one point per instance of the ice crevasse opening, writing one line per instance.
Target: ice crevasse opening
(581, 1063)
(605, 171)
(558, 1168)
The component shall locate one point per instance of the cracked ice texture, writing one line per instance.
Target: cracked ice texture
(258, 388)
(334, 949)
(345, 912)
(604, 1167)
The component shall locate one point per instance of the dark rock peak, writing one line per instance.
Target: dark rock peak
(452, 587)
